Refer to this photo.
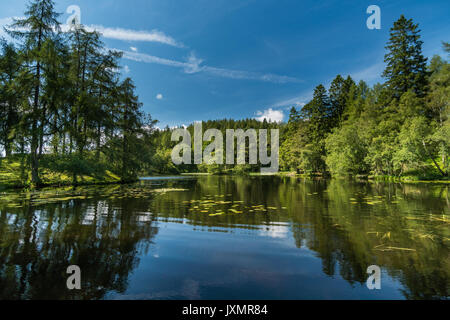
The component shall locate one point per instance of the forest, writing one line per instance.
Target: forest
(396, 129)
(400, 128)
(68, 116)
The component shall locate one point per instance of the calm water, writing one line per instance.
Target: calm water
(227, 238)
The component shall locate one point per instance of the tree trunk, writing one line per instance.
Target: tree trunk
(34, 127)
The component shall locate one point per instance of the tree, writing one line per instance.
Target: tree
(406, 66)
(438, 103)
(346, 151)
(446, 46)
(133, 127)
(34, 30)
(339, 95)
(317, 115)
(9, 95)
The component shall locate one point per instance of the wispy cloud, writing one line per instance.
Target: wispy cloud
(297, 101)
(115, 33)
(270, 115)
(5, 22)
(190, 66)
(142, 57)
(194, 65)
(236, 74)
(133, 35)
(369, 74)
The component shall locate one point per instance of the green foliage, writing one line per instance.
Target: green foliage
(346, 151)
(61, 97)
(405, 64)
(400, 128)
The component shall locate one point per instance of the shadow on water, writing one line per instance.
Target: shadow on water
(226, 237)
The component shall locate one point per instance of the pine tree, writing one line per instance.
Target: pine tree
(9, 95)
(130, 124)
(406, 66)
(339, 96)
(317, 117)
(446, 46)
(34, 30)
(318, 113)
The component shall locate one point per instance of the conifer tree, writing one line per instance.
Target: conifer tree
(406, 67)
(34, 30)
(9, 95)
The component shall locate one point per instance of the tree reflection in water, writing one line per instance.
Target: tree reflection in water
(106, 230)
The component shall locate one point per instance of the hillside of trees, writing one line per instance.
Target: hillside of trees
(399, 128)
(66, 114)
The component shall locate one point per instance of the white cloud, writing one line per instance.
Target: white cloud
(270, 115)
(116, 33)
(298, 101)
(159, 96)
(133, 35)
(236, 74)
(141, 57)
(274, 231)
(369, 74)
(126, 69)
(5, 22)
(194, 65)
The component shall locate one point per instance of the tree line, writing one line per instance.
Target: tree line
(163, 145)
(397, 128)
(63, 101)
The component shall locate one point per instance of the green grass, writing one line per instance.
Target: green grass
(15, 173)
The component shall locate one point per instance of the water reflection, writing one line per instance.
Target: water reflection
(223, 237)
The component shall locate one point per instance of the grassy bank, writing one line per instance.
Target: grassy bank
(54, 171)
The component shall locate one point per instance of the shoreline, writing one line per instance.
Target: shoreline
(365, 178)
(372, 179)
(4, 187)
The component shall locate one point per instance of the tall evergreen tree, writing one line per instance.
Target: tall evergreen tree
(318, 114)
(9, 95)
(406, 66)
(339, 96)
(34, 30)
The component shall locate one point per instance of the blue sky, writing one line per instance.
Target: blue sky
(211, 59)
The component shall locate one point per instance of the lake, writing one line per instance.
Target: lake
(210, 237)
